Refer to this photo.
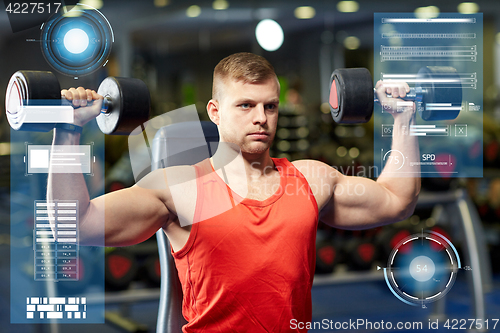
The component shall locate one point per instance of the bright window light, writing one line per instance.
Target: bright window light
(76, 41)
(269, 35)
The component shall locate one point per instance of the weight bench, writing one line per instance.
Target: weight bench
(170, 319)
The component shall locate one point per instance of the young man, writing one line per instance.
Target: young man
(248, 268)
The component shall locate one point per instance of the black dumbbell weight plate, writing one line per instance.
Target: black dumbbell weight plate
(129, 106)
(351, 95)
(30, 88)
(441, 85)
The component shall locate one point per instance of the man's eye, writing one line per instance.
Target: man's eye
(245, 106)
(271, 107)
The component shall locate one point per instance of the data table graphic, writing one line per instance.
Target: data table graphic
(440, 59)
(55, 240)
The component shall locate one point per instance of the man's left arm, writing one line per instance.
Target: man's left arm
(349, 202)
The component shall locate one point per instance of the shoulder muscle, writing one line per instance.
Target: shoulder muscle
(321, 178)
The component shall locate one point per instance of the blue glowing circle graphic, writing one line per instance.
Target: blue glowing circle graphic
(77, 43)
(422, 268)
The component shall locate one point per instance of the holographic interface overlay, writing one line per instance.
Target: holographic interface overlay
(54, 277)
(441, 60)
(422, 268)
(78, 41)
(59, 159)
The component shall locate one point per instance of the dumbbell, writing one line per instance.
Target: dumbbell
(437, 94)
(120, 268)
(362, 253)
(360, 249)
(327, 256)
(33, 103)
(388, 238)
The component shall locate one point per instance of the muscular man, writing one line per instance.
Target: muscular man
(249, 268)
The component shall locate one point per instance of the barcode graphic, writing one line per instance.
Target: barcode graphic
(56, 307)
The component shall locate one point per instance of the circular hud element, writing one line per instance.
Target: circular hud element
(77, 42)
(422, 268)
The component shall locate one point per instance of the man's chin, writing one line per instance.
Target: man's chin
(255, 148)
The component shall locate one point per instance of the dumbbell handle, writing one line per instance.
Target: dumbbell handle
(413, 95)
(106, 106)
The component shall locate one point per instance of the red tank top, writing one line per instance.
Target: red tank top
(251, 268)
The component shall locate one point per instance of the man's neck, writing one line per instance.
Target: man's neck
(238, 163)
(258, 164)
(248, 175)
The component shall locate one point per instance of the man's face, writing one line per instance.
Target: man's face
(247, 114)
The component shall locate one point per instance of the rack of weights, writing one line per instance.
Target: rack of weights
(292, 134)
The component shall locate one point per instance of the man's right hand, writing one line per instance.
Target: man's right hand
(87, 104)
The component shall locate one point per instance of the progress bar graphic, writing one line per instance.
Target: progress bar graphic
(429, 130)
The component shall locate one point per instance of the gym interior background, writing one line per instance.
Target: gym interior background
(173, 47)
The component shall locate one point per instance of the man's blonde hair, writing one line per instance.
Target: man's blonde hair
(244, 66)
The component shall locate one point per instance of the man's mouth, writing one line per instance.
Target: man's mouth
(259, 135)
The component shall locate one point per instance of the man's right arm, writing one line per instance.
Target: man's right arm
(130, 215)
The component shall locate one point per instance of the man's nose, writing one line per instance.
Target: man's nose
(259, 116)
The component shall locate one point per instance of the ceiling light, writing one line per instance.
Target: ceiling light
(347, 6)
(305, 12)
(427, 12)
(97, 4)
(161, 3)
(220, 4)
(193, 11)
(468, 8)
(269, 35)
(352, 43)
